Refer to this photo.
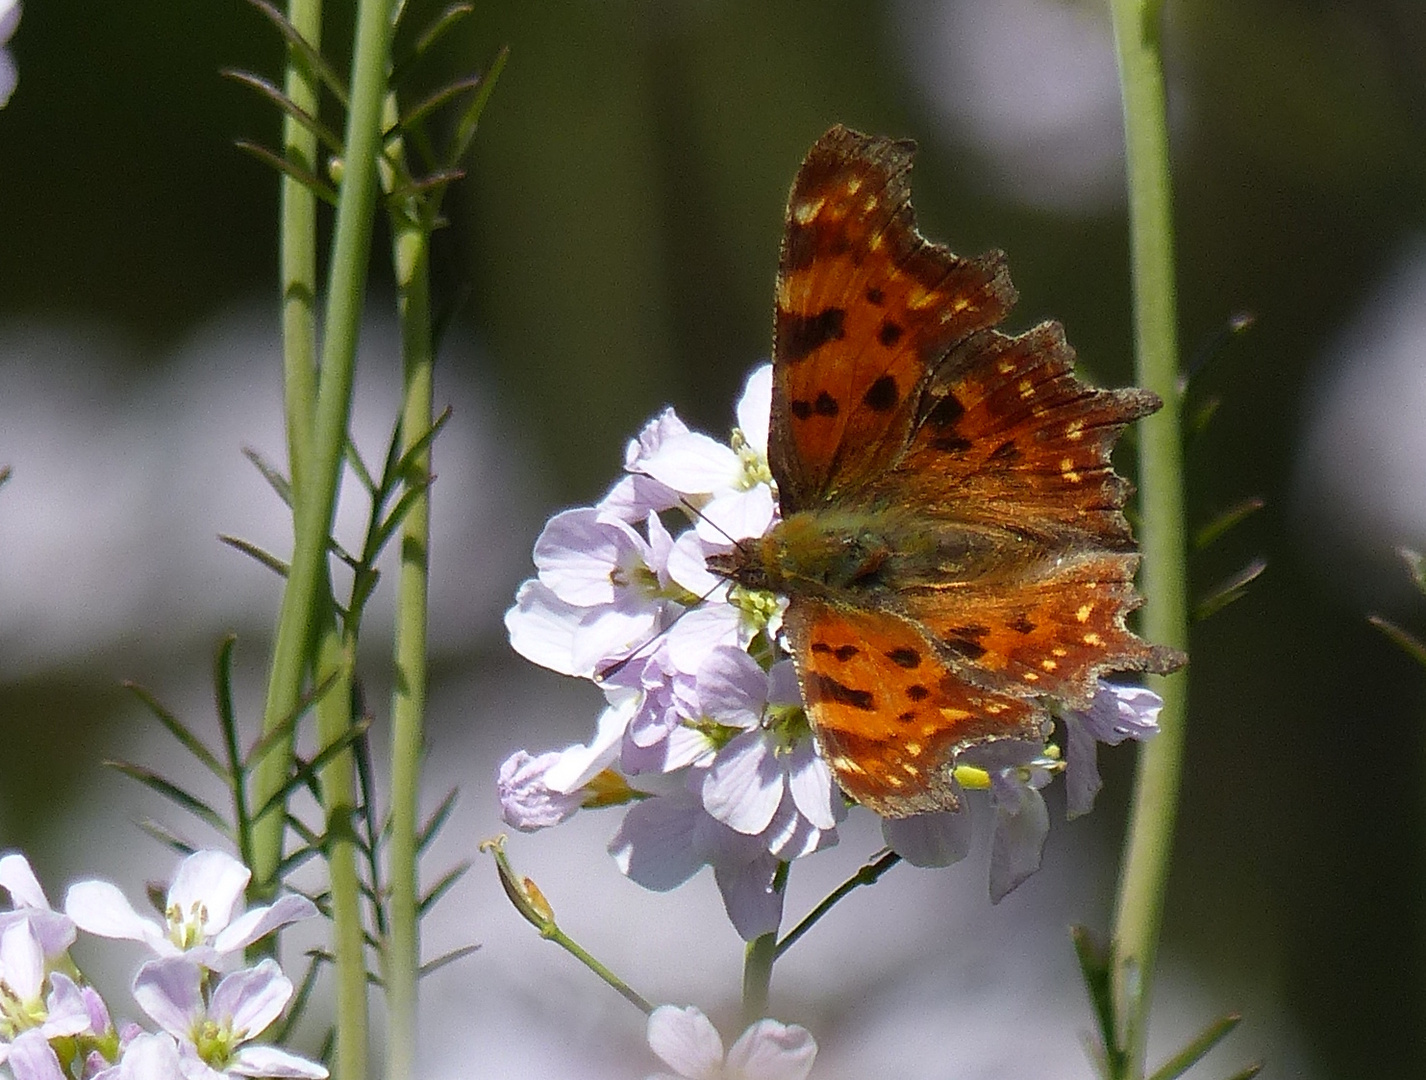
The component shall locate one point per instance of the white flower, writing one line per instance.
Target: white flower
(199, 914)
(147, 1056)
(211, 1035)
(1118, 712)
(689, 1044)
(54, 930)
(24, 1006)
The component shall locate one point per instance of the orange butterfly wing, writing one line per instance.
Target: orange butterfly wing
(893, 395)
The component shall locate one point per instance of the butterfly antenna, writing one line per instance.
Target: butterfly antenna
(619, 665)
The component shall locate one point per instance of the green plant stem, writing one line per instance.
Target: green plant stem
(298, 247)
(1144, 874)
(351, 247)
(760, 955)
(867, 875)
(336, 654)
(411, 245)
(569, 945)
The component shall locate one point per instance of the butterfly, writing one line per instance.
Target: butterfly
(952, 542)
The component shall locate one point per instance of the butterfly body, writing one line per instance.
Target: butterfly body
(952, 542)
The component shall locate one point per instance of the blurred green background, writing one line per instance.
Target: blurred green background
(618, 236)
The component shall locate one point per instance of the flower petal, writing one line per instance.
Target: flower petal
(687, 1042)
(100, 908)
(67, 1008)
(260, 921)
(1021, 825)
(22, 962)
(20, 882)
(32, 1058)
(744, 787)
(772, 1051)
(737, 515)
(211, 882)
(251, 999)
(150, 1057)
(755, 408)
(269, 1061)
(929, 840)
(170, 991)
(659, 844)
(754, 907)
(810, 782)
(693, 463)
(577, 555)
(526, 801)
(579, 764)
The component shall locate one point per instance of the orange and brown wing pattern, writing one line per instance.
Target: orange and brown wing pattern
(1008, 435)
(1052, 631)
(865, 308)
(889, 714)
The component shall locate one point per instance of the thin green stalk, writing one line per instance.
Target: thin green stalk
(411, 237)
(758, 959)
(297, 255)
(313, 512)
(575, 949)
(336, 653)
(1143, 877)
(867, 875)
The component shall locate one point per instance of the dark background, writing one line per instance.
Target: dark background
(618, 233)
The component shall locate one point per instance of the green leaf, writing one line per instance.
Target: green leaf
(470, 118)
(433, 33)
(1196, 421)
(325, 135)
(1239, 323)
(167, 837)
(1238, 512)
(271, 474)
(447, 958)
(436, 820)
(1096, 965)
(156, 783)
(1226, 592)
(1206, 1040)
(425, 108)
(252, 551)
(308, 55)
(441, 887)
(282, 731)
(354, 459)
(1412, 645)
(1248, 1073)
(308, 179)
(191, 742)
(403, 506)
(305, 774)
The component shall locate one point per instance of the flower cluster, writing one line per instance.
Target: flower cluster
(55, 1027)
(703, 731)
(688, 1043)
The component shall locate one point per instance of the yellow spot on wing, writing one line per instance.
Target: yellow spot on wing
(1083, 613)
(1093, 639)
(1048, 665)
(804, 212)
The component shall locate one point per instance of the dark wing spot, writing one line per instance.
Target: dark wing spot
(917, 692)
(824, 688)
(907, 658)
(875, 296)
(826, 405)
(965, 647)
(907, 717)
(882, 395)
(846, 652)
(1022, 625)
(800, 409)
(942, 420)
(889, 334)
(1006, 451)
(974, 631)
(799, 246)
(821, 647)
(799, 335)
(946, 413)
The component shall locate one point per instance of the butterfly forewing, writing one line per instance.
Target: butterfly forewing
(864, 307)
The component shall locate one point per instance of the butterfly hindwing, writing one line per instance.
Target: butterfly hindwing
(889, 714)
